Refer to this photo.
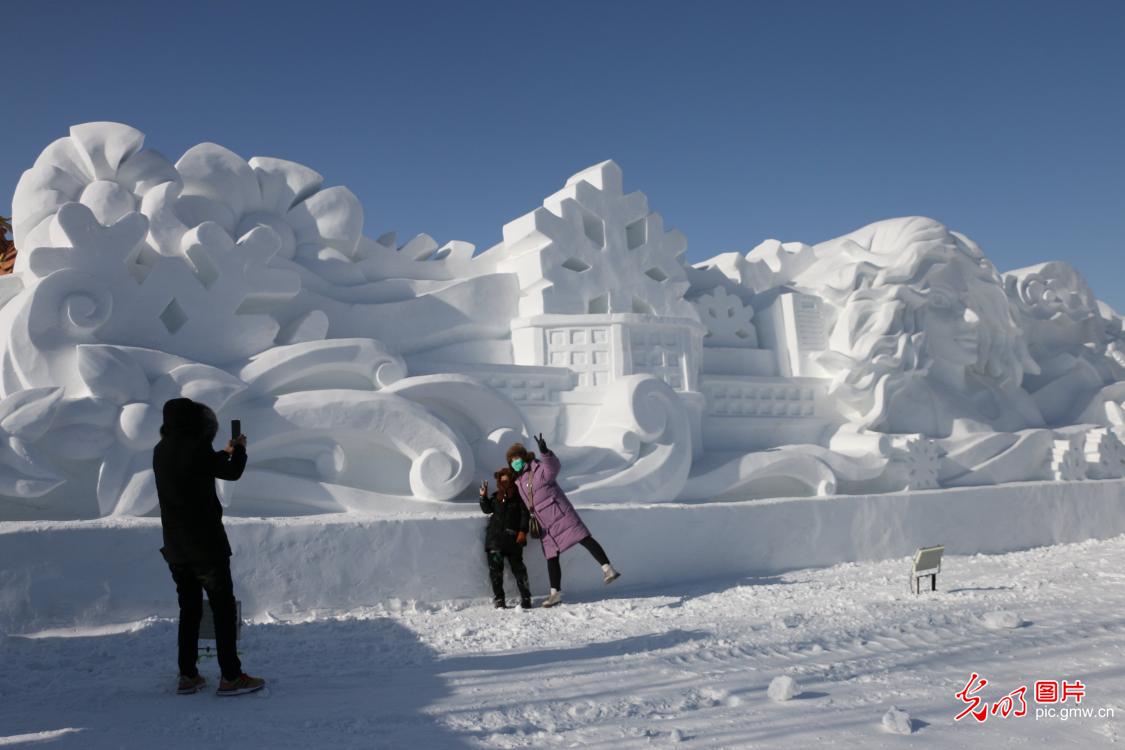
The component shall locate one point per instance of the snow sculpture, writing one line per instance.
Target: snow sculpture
(923, 335)
(24, 419)
(1072, 341)
(1068, 461)
(592, 249)
(601, 285)
(895, 357)
(728, 319)
(1104, 454)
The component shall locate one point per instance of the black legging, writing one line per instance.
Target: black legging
(554, 569)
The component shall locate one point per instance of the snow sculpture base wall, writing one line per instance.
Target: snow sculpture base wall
(62, 574)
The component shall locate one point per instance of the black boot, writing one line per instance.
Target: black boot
(499, 603)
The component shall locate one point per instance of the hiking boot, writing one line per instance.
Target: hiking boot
(610, 575)
(553, 599)
(241, 685)
(525, 603)
(189, 685)
(499, 603)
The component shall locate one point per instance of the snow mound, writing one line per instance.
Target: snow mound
(897, 721)
(783, 688)
(1001, 620)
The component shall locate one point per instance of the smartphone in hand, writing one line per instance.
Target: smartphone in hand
(235, 428)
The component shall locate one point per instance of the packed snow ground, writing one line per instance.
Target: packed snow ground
(639, 667)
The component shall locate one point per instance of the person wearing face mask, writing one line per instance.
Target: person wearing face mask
(505, 536)
(559, 523)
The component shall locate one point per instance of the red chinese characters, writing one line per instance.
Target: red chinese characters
(1015, 702)
(969, 695)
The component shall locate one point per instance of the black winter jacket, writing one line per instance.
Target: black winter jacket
(507, 517)
(190, 514)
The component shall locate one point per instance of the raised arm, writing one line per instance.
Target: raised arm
(486, 505)
(223, 465)
(549, 467)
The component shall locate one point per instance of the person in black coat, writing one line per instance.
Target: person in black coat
(505, 536)
(195, 543)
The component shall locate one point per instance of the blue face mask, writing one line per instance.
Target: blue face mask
(517, 465)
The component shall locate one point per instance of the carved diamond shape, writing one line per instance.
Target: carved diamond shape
(576, 264)
(173, 316)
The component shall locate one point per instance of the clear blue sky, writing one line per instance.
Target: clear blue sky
(740, 120)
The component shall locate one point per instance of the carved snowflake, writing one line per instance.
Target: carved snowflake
(1105, 454)
(593, 249)
(728, 319)
(919, 460)
(1068, 461)
(97, 279)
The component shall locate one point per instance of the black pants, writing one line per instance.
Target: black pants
(191, 581)
(554, 569)
(514, 554)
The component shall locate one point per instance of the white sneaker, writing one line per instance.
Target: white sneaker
(554, 598)
(610, 575)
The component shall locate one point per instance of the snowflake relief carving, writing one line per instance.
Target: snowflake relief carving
(729, 321)
(592, 248)
(1105, 454)
(1068, 461)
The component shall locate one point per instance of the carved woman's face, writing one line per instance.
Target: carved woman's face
(950, 320)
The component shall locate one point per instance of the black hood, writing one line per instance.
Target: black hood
(186, 418)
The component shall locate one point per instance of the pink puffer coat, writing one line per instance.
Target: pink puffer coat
(562, 528)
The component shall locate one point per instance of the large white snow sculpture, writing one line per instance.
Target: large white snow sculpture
(895, 357)
(1072, 338)
(922, 336)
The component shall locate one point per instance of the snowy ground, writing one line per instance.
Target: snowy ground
(642, 667)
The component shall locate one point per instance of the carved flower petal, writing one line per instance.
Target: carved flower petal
(112, 373)
(28, 413)
(126, 484)
(23, 474)
(284, 183)
(332, 218)
(202, 383)
(83, 428)
(165, 228)
(80, 442)
(139, 425)
(361, 364)
(211, 171)
(138, 498)
(196, 210)
(103, 146)
(40, 192)
(65, 155)
(108, 200)
(145, 170)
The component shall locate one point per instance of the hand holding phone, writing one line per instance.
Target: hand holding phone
(236, 436)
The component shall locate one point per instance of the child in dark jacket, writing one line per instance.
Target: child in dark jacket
(505, 536)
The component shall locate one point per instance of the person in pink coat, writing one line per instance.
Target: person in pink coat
(561, 526)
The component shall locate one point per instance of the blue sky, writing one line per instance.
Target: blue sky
(740, 120)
